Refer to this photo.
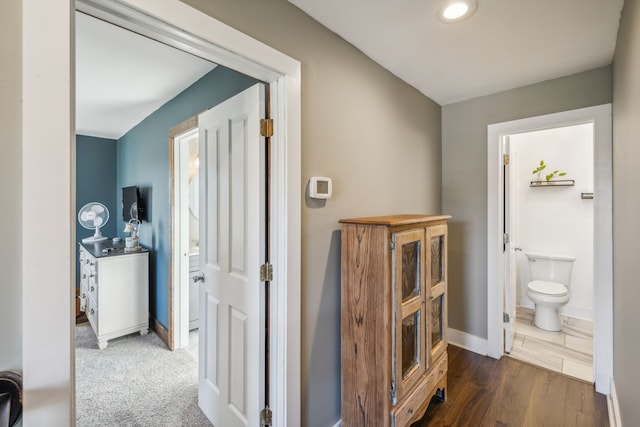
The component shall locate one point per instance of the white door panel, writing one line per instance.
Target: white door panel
(231, 251)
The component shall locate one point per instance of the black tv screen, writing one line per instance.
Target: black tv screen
(132, 206)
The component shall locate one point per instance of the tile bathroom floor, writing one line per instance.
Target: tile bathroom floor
(569, 351)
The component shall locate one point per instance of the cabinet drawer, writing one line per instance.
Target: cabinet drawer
(89, 267)
(84, 297)
(415, 401)
(84, 278)
(92, 314)
(92, 286)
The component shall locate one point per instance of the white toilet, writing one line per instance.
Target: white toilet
(549, 287)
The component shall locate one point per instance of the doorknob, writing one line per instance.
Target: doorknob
(517, 249)
(199, 278)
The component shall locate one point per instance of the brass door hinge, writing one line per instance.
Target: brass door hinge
(265, 417)
(505, 159)
(266, 127)
(266, 272)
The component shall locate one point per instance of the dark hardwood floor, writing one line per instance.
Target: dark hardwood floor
(482, 391)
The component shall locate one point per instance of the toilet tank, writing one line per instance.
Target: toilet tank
(550, 267)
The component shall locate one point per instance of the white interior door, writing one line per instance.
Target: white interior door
(511, 248)
(232, 212)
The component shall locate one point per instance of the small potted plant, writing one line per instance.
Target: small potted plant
(548, 179)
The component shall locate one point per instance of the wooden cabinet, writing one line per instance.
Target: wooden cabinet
(394, 318)
(114, 290)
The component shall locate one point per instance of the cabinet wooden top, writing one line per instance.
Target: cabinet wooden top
(394, 220)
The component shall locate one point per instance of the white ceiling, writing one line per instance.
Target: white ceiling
(503, 45)
(122, 77)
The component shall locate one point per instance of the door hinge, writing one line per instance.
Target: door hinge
(392, 244)
(392, 392)
(266, 272)
(265, 417)
(505, 317)
(505, 159)
(266, 127)
(505, 238)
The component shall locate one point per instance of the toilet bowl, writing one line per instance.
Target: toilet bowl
(549, 287)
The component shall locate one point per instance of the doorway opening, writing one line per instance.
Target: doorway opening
(500, 249)
(548, 201)
(185, 247)
(136, 162)
(260, 62)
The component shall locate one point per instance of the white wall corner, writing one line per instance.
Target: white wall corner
(467, 341)
(613, 407)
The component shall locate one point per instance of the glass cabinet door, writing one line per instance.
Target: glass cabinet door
(437, 285)
(437, 321)
(409, 311)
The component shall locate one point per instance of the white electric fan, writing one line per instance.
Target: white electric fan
(93, 216)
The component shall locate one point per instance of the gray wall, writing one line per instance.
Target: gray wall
(11, 186)
(464, 177)
(378, 138)
(626, 205)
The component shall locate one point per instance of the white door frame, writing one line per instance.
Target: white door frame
(48, 179)
(603, 234)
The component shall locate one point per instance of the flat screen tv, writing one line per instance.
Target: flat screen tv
(132, 204)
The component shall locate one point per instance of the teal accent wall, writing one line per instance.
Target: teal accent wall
(96, 181)
(143, 160)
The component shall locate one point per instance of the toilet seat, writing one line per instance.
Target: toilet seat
(548, 288)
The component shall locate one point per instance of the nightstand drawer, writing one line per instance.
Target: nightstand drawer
(92, 313)
(84, 297)
(92, 286)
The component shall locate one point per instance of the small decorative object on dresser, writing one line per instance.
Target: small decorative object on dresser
(394, 318)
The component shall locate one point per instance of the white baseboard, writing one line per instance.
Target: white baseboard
(468, 341)
(577, 313)
(568, 310)
(338, 424)
(613, 407)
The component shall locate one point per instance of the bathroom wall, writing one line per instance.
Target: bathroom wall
(556, 219)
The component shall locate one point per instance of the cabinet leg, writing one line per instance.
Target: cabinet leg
(144, 331)
(102, 345)
(440, 395)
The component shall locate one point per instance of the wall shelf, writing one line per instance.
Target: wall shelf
(556, 183)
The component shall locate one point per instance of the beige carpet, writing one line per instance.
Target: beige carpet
(135, 381)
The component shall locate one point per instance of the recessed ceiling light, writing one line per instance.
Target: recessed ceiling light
(457, 10)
